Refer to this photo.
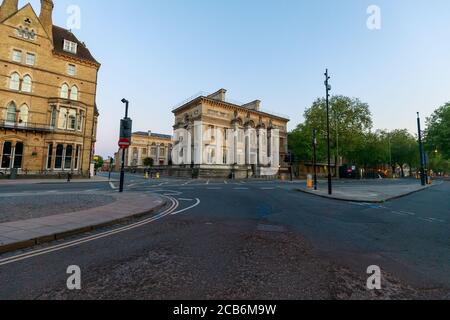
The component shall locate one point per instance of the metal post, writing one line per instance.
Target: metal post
(328, 88)
(422, 159)
(315, 159)
(110, 167)
(122, 170)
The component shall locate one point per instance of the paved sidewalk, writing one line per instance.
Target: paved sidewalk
(27, 233)
(369, 193)
(95, 179)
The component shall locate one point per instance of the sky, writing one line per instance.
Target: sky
(157, 53)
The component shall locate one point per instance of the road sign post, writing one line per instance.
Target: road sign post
(126, 127)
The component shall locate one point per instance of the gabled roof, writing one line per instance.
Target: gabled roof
(61, 34)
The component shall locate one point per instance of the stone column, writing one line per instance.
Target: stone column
(198, 142)
(157, 155)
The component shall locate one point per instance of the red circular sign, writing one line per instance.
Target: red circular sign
(124, 143)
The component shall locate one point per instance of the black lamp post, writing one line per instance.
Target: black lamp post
(122, 169)
(328, 88)
(422, 157)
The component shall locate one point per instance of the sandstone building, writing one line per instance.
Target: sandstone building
(48, 84)
(146, 145)
(219, 138)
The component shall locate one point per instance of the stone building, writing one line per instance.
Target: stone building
(218, 137)
(48, 84)
(146, 145)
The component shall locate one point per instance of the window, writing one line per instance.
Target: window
(6, 156)
(71, 70)
(72, 119)
(59, 156)
(23, 115)
(77, 157)
(49, 156)
(80, 121)
(17, 56)
(68, 157)
(74, 93)
(26, 84)
(26, 33)
(70, 46)
(18, 153)
(53, 117)
(31, 59)
(62, 121)
(14, 82)
(65, 91)
(11, 113)
(162, 152)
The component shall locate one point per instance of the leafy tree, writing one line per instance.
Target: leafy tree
(404, 150)
(148, 162)
(350, 119)
(98, 162)
(437, 134)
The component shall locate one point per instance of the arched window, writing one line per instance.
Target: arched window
(74, 93)
(18, 154)
(65, 91)
(59, 156)
(11, 113)
(23, 115)
(53, 117)
(14, 81)
(6, 156)
(26, 84)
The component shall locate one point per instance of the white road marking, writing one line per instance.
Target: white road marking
(113, 186)
(214, 188)
(105, 234)
(188, 208)
(182, 199)
(224, 181)
(240, 188)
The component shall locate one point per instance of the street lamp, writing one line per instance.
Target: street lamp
(328, 88)
(422, 157)
(122, 169)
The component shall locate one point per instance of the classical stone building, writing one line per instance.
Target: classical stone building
(48, 84)
(221, 138)
(146, 145)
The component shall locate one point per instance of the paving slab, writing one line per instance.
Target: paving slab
(368, 193)
(27, 233)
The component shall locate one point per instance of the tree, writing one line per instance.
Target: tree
(404, 150)
(437, 134)
(148, 162)
(350, 119)
(98, 162)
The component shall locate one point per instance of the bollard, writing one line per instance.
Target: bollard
(310, 182)
(157, 176)
(146, 175)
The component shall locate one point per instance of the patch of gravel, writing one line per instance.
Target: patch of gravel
(198, 260)
(30, 207)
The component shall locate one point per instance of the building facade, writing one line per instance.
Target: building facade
(48, 85)
(155, 146)
(215, 135)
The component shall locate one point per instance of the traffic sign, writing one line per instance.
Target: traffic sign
(124, 143)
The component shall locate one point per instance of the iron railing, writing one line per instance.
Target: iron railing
(28, 126)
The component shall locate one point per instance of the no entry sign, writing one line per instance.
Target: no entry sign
(124, 143)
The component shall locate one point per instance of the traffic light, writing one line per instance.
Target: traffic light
(126, 127)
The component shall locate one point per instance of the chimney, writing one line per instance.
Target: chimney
(219, 95)
(8, 8)
(46, 17)
(254, 105)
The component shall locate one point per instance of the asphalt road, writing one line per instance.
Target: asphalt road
(408, 238)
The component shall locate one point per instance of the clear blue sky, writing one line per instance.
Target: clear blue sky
(158, 53)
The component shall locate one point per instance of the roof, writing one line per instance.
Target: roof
(155, 135)
(83, 53)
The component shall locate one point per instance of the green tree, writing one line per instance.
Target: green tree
(437, 134)
(148, 162)
(404, 150)
(350, 119)
(98, 162)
